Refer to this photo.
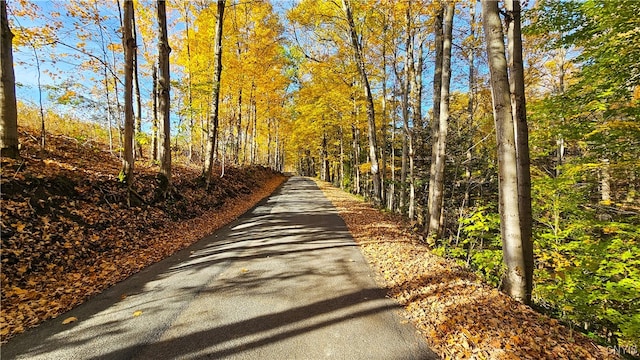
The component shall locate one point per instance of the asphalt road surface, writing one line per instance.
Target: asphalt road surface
(285, 281)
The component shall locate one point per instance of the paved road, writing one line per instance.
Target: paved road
(285, 281)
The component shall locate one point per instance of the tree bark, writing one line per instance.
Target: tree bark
(407, 144)
(356, 158)
(438, 152)
(514, 280)
(384, 123)
(213, 123)
(326, 176)
(136, 82)
(126, 174)
(164, 97)
(8, 105)
(435, 121)
(518, 105)
(189, 80)
(358, 57)
(238, 144)
(154, 118)
(471, 105)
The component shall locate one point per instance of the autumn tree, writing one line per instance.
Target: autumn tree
(440, 121)
(359, 60)
(164, 105)
(213, 122)
(8, 106)
(521, 130)
(513, 243)
(126, 174)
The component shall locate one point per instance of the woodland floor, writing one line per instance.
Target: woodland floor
(68, 233)
(460, 316)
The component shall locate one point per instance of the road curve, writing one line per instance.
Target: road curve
(285, 281)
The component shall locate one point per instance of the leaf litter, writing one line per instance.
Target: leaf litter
(68, 232)
(459, 316)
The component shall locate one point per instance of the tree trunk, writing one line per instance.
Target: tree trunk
(605, 182)
(154, 119)
(435, 121)
(325, 158)
(136, 81)
(438, 153)
(126, 174)
(407, 143)
(189, 80)
(164, 97)
(514, 280)
(357, 51)
(471, 105)
(341, 158)
(213, 123)
(8, 106)
(356, 158)
(384, 122)
(518, 105)
(391, 198)
(238, 144)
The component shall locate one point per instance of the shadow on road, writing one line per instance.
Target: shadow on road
(286, 271)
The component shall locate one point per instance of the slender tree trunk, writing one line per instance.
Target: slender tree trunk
(471, 105)
(189, 81)
(119, 123)
(356, 159)
(407, 144)
(154, 121)
(164, 88)
(269, 141)
(136, 79)
(357, 50)
(438, 155)
(518, 104)
(341, 158)
(325, 158)
(605, 182)
(43, 131)
(8, 105)
(213, 123)
(384, 122)
(105, 75)
(238, 144)
(254, 126)
(391, 198)
(514, 280)
(126, 174)
(417, 93)
(435, 121)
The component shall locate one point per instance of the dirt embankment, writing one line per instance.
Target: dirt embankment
(68, 233)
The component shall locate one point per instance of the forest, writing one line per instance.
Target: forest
(507, 134)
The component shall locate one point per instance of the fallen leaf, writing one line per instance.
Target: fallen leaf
(137, 313)
(69, 320)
